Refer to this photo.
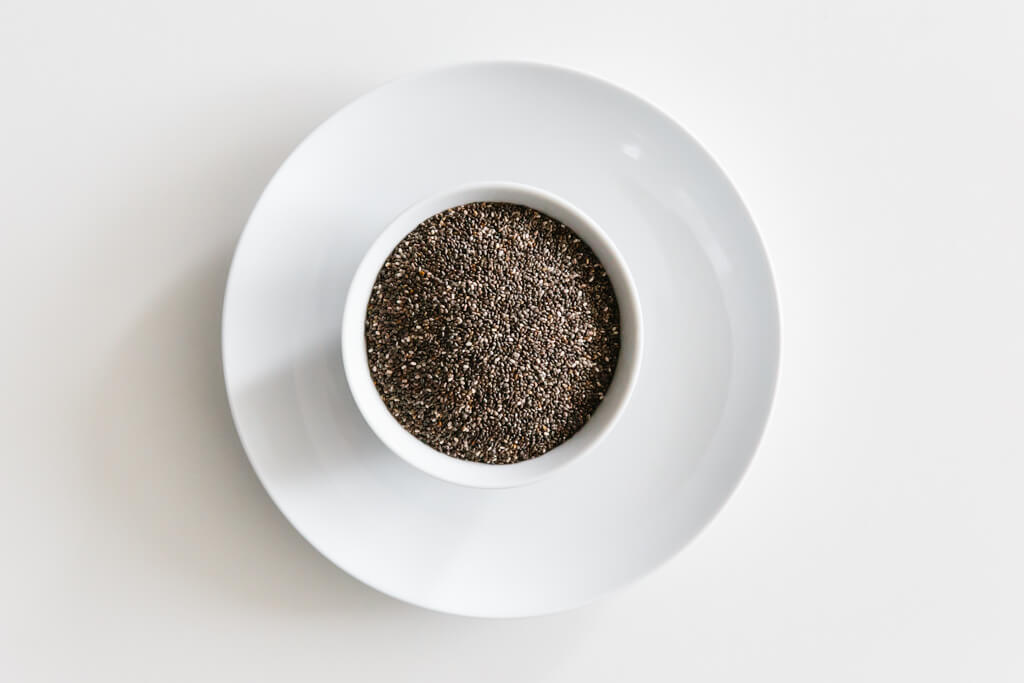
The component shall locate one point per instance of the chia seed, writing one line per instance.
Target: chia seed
(492, 332)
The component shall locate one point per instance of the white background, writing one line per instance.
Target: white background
(878, 535)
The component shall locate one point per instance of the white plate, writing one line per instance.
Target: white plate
(679, 449)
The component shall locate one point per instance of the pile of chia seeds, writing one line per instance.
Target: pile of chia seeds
(492, 332)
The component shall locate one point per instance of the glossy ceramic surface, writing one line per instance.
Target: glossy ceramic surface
(700, 401)
(419, 454)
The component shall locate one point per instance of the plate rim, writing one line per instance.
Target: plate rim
(775, 341)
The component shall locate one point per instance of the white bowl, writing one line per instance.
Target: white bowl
(419, 454)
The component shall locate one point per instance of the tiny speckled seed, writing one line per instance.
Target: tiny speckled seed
(489, 320)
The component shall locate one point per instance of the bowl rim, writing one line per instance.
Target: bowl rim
(464, 472)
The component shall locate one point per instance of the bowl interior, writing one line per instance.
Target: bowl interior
(465, 472)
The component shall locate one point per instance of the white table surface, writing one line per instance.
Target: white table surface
(878, 535)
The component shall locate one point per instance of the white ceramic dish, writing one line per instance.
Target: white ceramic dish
(419, 454)
(698, 407)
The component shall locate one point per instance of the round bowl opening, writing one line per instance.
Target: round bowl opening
(465, 472)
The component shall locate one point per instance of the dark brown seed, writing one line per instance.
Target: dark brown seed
(498, 318)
